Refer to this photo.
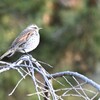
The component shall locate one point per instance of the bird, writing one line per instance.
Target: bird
(26, 41)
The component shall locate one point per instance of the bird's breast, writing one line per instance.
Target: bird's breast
(30, 44)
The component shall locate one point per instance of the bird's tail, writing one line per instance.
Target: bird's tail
(9, 53)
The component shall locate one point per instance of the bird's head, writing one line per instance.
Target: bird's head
(33, 26)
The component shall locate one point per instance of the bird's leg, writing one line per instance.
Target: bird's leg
(26, 53)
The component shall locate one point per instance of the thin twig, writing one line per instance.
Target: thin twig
(26, 65)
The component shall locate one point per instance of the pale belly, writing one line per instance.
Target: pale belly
(30, 45)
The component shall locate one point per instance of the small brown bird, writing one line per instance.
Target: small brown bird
(27, 41)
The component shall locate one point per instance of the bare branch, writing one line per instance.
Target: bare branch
(26, 65)
(84, 78)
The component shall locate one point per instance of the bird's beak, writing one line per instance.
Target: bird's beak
(40, 28)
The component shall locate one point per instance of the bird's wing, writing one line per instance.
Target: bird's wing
(22, 38)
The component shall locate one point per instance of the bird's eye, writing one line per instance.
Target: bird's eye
(35, 27)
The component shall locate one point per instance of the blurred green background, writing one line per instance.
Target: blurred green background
(70, 38)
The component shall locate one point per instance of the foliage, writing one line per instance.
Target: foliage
(74, 28)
